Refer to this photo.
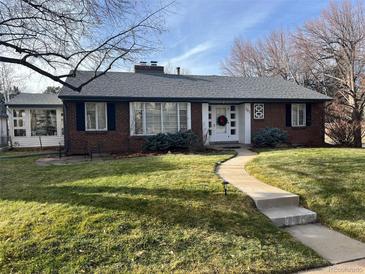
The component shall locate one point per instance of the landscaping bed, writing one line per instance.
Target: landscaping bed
(330, 181)
(147, 214)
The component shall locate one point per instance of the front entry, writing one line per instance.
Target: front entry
(223, 123)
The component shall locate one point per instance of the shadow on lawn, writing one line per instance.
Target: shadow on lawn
(175, 206)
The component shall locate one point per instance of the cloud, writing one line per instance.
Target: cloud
(208, 43)
(202, 47)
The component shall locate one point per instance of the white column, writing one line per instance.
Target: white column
(205, 123)
(248, 123)
(131, 119)
(27, 122)
(59, 122)
(241, 123)
(10, 122)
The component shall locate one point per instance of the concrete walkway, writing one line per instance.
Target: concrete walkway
(282, 208)
(345, 268)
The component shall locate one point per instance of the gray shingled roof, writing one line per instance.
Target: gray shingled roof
(35, 99)
(128, 85)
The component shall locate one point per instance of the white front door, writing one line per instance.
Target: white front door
(223, 123)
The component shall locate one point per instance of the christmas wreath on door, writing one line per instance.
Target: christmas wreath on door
(222, 120)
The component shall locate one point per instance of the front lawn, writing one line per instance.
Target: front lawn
(148, 214)
(330, 181)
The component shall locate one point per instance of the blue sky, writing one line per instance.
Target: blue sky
(201, 32)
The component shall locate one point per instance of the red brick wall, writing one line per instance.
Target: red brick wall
(275, 116)
(117, 141)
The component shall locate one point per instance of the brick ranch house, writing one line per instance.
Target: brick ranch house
(116, 111)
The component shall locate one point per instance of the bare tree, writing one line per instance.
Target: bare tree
(46, 35)
(8, 82)
(272, 56)
(246, 59)
(52, 90)
(280, 55)
(276, 55)
(334, 45)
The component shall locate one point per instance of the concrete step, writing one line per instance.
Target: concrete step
(266, 202)
(290, 215)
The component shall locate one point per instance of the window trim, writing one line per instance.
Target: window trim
(23, 118)
(96, 116)
(132, 128)
(297, 114)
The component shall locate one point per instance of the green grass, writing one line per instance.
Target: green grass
(330, 181)
(21, 152)
(148, 214)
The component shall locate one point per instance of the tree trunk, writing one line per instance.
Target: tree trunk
(357, 130)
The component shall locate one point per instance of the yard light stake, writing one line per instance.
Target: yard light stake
(225, 183)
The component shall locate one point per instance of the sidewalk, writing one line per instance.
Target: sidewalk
(283, 209)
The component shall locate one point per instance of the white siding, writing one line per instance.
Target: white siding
(35, 141)
(3, 129)
(47, 141)
(3, 132)
(247, 123)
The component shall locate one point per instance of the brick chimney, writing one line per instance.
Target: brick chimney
(144, 67)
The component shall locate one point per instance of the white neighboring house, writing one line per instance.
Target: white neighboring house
(3, 126)
(35, 120)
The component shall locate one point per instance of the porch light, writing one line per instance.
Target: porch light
(225, 183)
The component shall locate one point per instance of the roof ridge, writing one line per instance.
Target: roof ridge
(186, 75)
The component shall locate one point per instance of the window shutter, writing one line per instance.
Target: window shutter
(80, 116)
(308, 112)
(111, 116)
(288, 115)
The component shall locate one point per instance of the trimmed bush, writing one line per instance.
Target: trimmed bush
(269, 137)
(171, 141)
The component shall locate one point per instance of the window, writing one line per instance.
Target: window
(258, 111)
(169, 111)
(298, 115)
(151, 118)
(138, 118)
(19, 123)
(95, 116)
(183, 116)
(43, 122)
(233, 124)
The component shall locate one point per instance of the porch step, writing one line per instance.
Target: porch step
(225, 145)
(289, 215)
(288, 200)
